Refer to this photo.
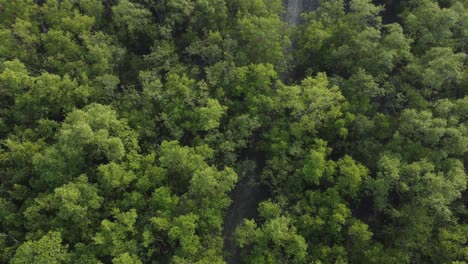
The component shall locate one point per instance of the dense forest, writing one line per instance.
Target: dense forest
(233, 131)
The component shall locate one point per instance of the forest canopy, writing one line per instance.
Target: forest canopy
(238, 131)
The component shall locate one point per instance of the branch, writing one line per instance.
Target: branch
(10, 236)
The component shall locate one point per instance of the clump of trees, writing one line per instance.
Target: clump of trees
(125, 125)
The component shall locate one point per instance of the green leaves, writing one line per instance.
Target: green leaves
(87, 137)
(116, 237)
(210, 115)
(351, 174)
(181, 105)
(132, 17)
(264, 39)
(126, 124)
(438, 69)
(304, 111)
(343, 44)
(275, 241)
(114, 176)
(181, 163)
(429, 24)
(75, 202)
(48, 249)
(183, 231)
(315, 164)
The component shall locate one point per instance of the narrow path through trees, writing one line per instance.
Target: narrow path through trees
(246, 196)
(249, 192)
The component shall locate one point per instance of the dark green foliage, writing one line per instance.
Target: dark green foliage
(126, 124)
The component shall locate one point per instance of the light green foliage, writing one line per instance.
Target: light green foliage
(427, 193)
(126, 125)
(332, 212)
(251, 85)
(16, 160)
(181, 105)
(269, 210)
(87, 136)
(350, 176)
(423, 129)
(258, 7)
(48, 249)
(305, 109)
(183, 230)
(126, 259)
(432, 188)
(22, 34)
(303, 112)
(181, 163)
(210, 115)
(360, 90)
(260, 30)
(70, 42)
(322, 217)
(275, 241)
(357, 40)
(451, 241)
(438, 69)
(387, 177)
(130, 16)
(92, 8)
(209, 190)
(359, 231)
(76, 202)
(114, 176)
(430, 24)
(315, 164)
(264, 39)
(43, 96)
(314, 103)
(206, 187)
(115, 237)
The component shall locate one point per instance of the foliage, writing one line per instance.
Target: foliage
(126, 124)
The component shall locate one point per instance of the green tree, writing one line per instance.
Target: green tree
(275, 241)
(72, 207)
(48, 249)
